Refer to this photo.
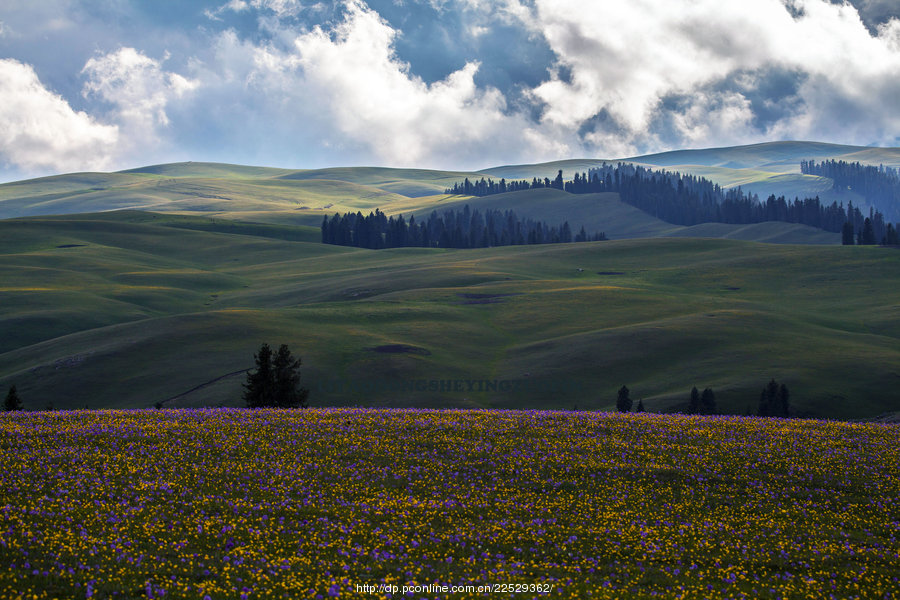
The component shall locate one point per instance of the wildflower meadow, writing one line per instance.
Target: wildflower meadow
(319, 503)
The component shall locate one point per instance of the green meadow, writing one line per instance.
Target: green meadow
(129, 309)
(155, 286)
(304, 196)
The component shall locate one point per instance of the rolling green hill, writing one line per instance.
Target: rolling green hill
(206, 170)
(303, 197)
(127, 309)
(775, 157)
(763, 169)
(596, 212)
(774, 167)
(412, 183)
(607, 213)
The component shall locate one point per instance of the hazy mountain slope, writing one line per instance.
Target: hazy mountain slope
(210, 170)
(775, 157)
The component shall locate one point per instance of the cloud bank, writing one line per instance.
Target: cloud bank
(40, 131)
(688, 72)
(444, 83)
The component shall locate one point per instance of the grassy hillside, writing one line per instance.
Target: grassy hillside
(128, 309)
(210, 170)
(783, 157)
(268, 200)
(303, 197)
(596, 212)
(542, 170)
(607, 213)
(763, 169)
(769, 232)
(407, 182)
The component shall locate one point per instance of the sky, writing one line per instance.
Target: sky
(101, 85)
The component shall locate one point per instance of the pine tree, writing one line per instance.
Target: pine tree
(767, 399)
(558, 182)
(708, 402)
(694, 406)
(774, 400)
(640, 406)
(782, 401)
(890, 237)
(847, 234)
(867, 238)
(623, 402)
(276, 381)
(287, 390)
(259, 389)
(12, 402)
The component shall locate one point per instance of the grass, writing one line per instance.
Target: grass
(280, 504)
(170, 303)
(775, 157)
(303, 197)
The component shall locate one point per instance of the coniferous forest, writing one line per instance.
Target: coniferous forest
(878, 185)
(690, 200)
(451, 229)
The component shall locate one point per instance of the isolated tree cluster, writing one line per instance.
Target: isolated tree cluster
(702, 403)
(12, 401)
(276, 382)
(774, 401)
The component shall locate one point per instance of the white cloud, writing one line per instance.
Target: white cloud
(372, 94)
(281, 8)
(350, 78)
(625, 59)
(629, 77)
(712, 117)
(236, 6)
(39, 131)
(138, 89)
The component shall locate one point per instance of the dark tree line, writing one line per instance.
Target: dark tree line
(878, 185)
(488, 187)
(868, 231)
(690, 200)
(451, 229)
(774, 401)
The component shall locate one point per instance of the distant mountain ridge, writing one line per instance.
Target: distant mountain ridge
(304, 196)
